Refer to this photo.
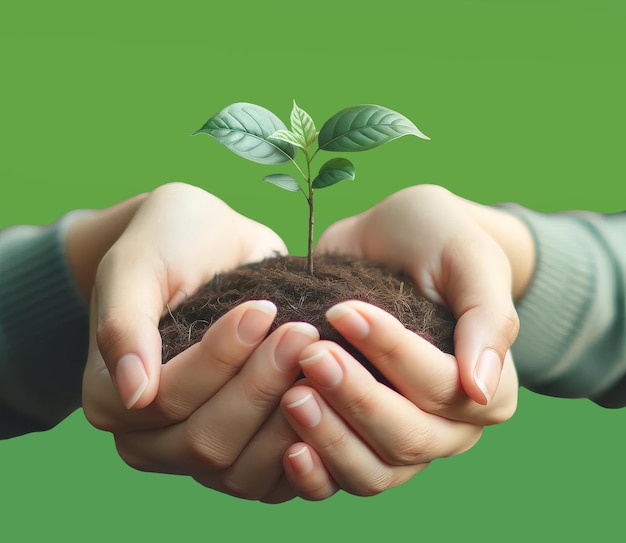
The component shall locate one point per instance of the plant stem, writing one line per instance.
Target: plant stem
(309, 255)
(300, 170)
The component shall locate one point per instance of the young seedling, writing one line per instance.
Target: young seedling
(256, 134)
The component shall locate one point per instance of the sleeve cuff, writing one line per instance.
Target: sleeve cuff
(43, 323)
(567, 308)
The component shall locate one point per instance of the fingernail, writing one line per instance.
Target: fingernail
(299, 335)
(348, 321)
(131, 379)
(306, 411)
(254, 324)
(301, 460)
(487, 373)
(323, 369)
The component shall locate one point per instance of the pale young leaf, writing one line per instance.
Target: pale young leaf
(245, 129)
(283, 181)
(288, 137)
(302, 125)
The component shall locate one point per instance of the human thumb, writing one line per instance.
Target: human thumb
(127, 302)
(479, 295)
(343, 237)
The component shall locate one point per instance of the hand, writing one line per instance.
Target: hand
(363, 437)
(215, 416)
(457, 253)
(178, 238)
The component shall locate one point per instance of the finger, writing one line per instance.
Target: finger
(189, 379)
(342, 237)
(102, 405)
(426, 376)
(128, 303)
(247, 400)
(156, 262)
(198, 373)
(392, 425)
(216, 433)
(461, 266)
(307, 474)
(280, 494)
(487, 323)
(258, 470)
(351, 462)
(261, 242)
(283, 492)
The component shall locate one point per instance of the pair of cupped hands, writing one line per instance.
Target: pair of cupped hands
(227, 412)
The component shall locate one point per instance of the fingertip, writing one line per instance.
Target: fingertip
(130, 378)
(480, 380)
(134, 363)
(299, 459)
(255, 321)
(487, 374)
(307, 474)
(348, 321)
(482, 339)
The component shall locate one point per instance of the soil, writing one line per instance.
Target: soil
(300, 296)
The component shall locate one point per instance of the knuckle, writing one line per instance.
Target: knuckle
(129, 456)
(206, 450)
(422, 191)
(168, 187)
(237, 488)
(172, 407)
(376, 482)
(471, 440)
(337, 441)
(97, 418)
(383, 478)
(501, 413)
(225, 362)
(227, 366)
(173, 189)
(387, 354)
(361, 404)
(261, 394)
(444, 394)
(511, 325)
(443, 402)
(411, 447)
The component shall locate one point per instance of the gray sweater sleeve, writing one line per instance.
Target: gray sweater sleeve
(572, 340)
(43, 329)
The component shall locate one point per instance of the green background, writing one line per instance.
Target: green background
(523, 100)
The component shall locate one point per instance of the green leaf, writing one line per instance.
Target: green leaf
(245, 129)
(302, 125)
(289, 137)
(359, 128)
(333, 171)
(283, 181)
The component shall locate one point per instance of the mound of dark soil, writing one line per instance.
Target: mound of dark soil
(300, 296)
